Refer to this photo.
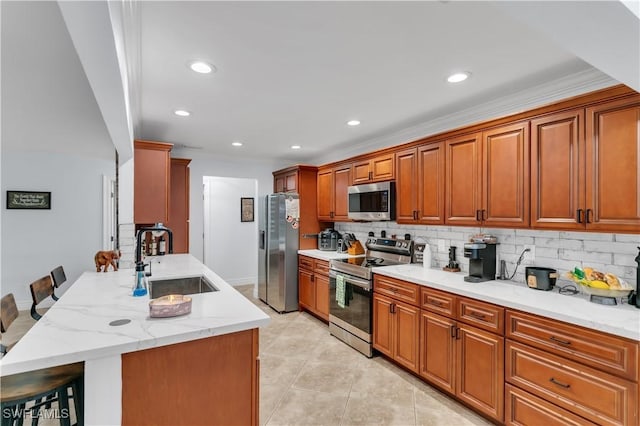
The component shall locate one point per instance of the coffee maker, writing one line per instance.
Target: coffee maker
(482, 261)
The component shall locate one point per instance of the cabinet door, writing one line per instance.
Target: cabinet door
(480, 362)
(505, 172)
(291, 182)
(406, 186)
(279, 183)
(463, 185)
(361, 172)
(557, 174)
(306, 290)
(438, 350)
(407, 335)
(325, 194)
(322, 295)
(152, 165)
(342, 180)
(382, 325)
(431, 175)
(382, 167)
(613, 166)
(179, 205)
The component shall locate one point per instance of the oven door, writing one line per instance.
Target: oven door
(355, 315)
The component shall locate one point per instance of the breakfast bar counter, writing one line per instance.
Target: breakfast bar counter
(77, 328)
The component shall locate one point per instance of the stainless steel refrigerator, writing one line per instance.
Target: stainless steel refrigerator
(278, 251)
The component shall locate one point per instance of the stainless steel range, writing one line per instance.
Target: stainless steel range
(351, 290)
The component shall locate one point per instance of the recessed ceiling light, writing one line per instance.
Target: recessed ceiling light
(458, 77)
(182, 113)
(295, 147)
(202, 67)
(236, 143)
(353, 122)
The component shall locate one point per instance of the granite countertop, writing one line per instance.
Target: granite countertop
(326, 255)
(76, 328)
(621, 320)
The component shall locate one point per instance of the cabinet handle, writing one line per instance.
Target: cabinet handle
(579, 214)
(331, 214)
(478, 215)
(417, 214)
(457, 333)
(312, 277)
(453, 331)
(563, 342)
(478, 315)
(370, 175)
(484, 217)
(392, 307)
(555, 382)
(588, 218)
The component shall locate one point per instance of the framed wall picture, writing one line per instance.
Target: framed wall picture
(35, 200)
(246, 209)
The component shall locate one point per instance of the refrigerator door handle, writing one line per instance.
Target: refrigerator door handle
(261, 239)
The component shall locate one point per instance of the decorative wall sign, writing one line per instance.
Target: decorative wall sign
(29, 200)
(246, 209)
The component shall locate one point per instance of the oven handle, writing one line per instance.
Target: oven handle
(359, 282)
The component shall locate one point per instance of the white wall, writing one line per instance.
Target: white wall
(230, 246)
(36, 241)
(203, 164)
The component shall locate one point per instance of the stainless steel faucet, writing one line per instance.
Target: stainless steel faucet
(142, 231)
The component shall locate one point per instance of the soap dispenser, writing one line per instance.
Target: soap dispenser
(141, 284)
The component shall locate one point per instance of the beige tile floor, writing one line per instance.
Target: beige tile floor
(308, 377)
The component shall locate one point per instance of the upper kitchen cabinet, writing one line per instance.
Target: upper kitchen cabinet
(557, 171)
(286, 180)
(374, 169)
(487, 178)
(152, 174)
(333, 183)
(613, 166)
(179, 204)
(420, 175)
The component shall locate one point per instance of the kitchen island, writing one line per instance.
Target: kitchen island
(198, 366)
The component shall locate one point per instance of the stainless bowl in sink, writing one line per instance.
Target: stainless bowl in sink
(183, 285)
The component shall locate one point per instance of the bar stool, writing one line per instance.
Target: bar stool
(40, 387)
(8, 313)
(59, 277)
(40, 290)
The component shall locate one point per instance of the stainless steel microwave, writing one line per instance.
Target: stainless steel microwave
(372, 202)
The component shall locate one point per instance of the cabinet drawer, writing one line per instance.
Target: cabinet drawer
(305, 262)
(484, 315)
(603, 351)
(600, 397)
(438, 301)
(399, 290)
(321, 267)
(522, 408)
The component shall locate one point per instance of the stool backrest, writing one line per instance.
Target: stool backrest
(58, 276)
(41, 289)
(9, 311)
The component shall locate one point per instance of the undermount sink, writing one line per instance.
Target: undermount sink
(184, 285)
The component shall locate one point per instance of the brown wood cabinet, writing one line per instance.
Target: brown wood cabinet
(375, 169)
(420, 177)
(151, 182)
(487, 178)
(613, 166)
(460, 358)
(179, 204)
(332, 202)
(224, 369)
(395, 330)
(303, 180)
(313, 286)
(571, 369)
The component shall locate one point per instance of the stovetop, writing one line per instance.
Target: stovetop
(380, 252)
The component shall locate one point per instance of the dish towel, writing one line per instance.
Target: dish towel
(340, 291)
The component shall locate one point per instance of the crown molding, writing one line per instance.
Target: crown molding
(542, 94)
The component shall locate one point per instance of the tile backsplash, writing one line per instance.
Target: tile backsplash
(561, 250)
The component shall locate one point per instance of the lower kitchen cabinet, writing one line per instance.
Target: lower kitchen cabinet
(438, 350)
(313, 286)
(396, 328)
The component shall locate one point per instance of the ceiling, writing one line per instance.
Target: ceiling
(295, 72)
